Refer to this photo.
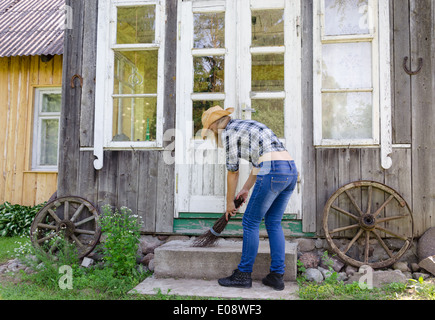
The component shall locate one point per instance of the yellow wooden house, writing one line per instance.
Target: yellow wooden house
(31, 49)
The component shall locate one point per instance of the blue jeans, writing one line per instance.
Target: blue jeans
(272, 190)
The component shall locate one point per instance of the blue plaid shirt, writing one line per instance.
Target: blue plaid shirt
(249, 140)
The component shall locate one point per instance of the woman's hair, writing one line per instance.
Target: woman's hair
(219, 122)
(222, 120)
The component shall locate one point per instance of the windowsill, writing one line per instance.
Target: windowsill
(127, 148)
(347, 146)
(41, 171)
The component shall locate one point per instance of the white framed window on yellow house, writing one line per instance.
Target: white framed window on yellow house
(129, 80)
(352, 103)
(47, 106)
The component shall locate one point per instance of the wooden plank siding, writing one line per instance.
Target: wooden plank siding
(412, 35)
(19, 77)
(141, 180)
(422, 43)
(137, 179)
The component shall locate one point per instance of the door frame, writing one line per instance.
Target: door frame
(237, 48)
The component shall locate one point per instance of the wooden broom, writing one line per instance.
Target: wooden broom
(210, 237)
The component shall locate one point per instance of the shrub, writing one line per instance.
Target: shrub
(122, 233)
(15, 220)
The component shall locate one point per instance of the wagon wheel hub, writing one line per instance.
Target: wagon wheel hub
(367, 222)
(67, 227)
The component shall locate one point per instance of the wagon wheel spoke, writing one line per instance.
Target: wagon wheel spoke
(350, 215)
(382, 243)
(73, 236)
(390, 219)
(46, 226)
(78, 211)
(352, 199)
(54, 215)
(47, 237)
(391, 233)
(344, 228)
(54, 246)
(382, 207)
(360, 232)
(82, 231)
(367, 247)
(66, 210)
(84, 221)
(369, 200)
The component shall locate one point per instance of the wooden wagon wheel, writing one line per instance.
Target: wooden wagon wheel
(72, 218)
(368, 213)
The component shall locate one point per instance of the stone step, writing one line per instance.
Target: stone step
(178, 259)
(211, 289)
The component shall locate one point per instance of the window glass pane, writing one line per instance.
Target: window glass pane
(271, 113)
(347, 115)
(345, 17)
(136, 25)
(134, 119)
(209, 74)
(199, 107)
(347, 65)
(268, 72)
(51, 102)
(209, 30)
(135, 72)
(49, 142)
(267, 28)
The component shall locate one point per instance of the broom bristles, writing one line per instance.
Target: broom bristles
(210, 237)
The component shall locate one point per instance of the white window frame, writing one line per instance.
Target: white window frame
(106, 47)
(39, 116)
(379, 36)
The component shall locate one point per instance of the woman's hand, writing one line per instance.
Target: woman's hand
(231, 210)
(244, 194)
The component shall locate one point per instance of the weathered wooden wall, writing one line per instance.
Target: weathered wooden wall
(142, 181)
(19, 76)
(412, 173)
(422, 44)
(137, 179)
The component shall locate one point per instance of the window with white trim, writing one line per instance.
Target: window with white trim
(349, 68)
(46, 129)
(129, 81)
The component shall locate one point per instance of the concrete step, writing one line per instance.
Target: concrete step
(211, 289)
(178, 259)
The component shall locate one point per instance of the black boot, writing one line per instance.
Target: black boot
(274, 280)
(238, 280)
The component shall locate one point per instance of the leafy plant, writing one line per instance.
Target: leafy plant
(121, 230)
(48, 265)
(421, 288)
(327, 261)
(301, 271)
(15, 220)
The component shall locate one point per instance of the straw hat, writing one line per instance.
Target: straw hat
(211, 115)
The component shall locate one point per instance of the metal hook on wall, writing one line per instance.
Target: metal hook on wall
(410, 72)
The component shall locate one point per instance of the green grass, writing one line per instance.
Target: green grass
(341, 291)
(7, 246)
(100, 284)
(87, 284)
